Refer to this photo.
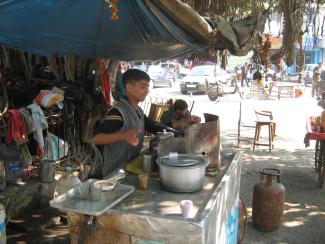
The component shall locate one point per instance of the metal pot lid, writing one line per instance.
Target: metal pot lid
(182, 160)
(165, 135)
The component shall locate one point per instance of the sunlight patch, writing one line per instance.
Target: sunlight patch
(316, 213)
(293, 210)
(293, 223)
(292, 204)
(208, 186)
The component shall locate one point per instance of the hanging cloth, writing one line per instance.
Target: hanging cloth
(106, 89)
(16, 129)
(27, 120)
(40, 124)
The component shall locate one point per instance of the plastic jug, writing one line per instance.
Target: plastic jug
(67, 181)
(13, 171)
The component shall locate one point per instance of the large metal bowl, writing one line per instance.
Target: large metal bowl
(182, 172)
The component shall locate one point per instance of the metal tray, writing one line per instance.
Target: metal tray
(70, 201)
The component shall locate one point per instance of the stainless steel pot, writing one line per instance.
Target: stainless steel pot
(182, 172)
(153, 144)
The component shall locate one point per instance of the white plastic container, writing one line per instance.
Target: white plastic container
(3, 239)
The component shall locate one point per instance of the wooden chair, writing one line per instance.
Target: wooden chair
(264, 118)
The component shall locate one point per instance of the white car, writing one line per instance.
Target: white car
(142, 67)
(200, 77)
(172, 67)
(159, 76)
(308, 72)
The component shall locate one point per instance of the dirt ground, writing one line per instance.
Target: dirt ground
(40, 226)
(304, 212)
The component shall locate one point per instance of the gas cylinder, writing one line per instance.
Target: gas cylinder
(268, 201)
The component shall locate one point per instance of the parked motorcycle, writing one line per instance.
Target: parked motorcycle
(220, 89)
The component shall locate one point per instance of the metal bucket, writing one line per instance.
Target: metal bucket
(47, 170)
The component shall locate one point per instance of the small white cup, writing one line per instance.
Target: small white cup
(186, 207)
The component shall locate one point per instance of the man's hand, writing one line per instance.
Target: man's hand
(187, 121)
(194, 119)
(132, 136)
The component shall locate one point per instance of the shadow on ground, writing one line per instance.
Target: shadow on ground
(304, 213)
(37, 227)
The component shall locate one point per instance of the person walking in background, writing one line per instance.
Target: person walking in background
(316, 79)
(244, 73)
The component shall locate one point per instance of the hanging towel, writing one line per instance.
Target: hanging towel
(27, 120)
(16, 130)
(40, 124)
(106, 89)
(25, 157)
(55, 147)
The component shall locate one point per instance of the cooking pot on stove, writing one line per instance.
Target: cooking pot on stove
(182, 172)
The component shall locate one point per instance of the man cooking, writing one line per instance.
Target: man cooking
(121, 134)
(178, 116)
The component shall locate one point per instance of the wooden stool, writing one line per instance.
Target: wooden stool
(271, 129)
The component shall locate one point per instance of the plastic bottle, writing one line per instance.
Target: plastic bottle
(3, 180)
(3, 239)
(67, 181)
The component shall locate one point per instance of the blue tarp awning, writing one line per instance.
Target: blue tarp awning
(84, 27)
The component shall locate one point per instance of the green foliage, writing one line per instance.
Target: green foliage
(238, 9)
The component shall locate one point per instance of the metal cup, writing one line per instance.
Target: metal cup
(148, 162)
(83, 190)
(96, 192)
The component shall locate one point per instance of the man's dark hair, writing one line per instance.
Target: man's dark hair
(134, 75)
(180, 104)
(257, 75)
